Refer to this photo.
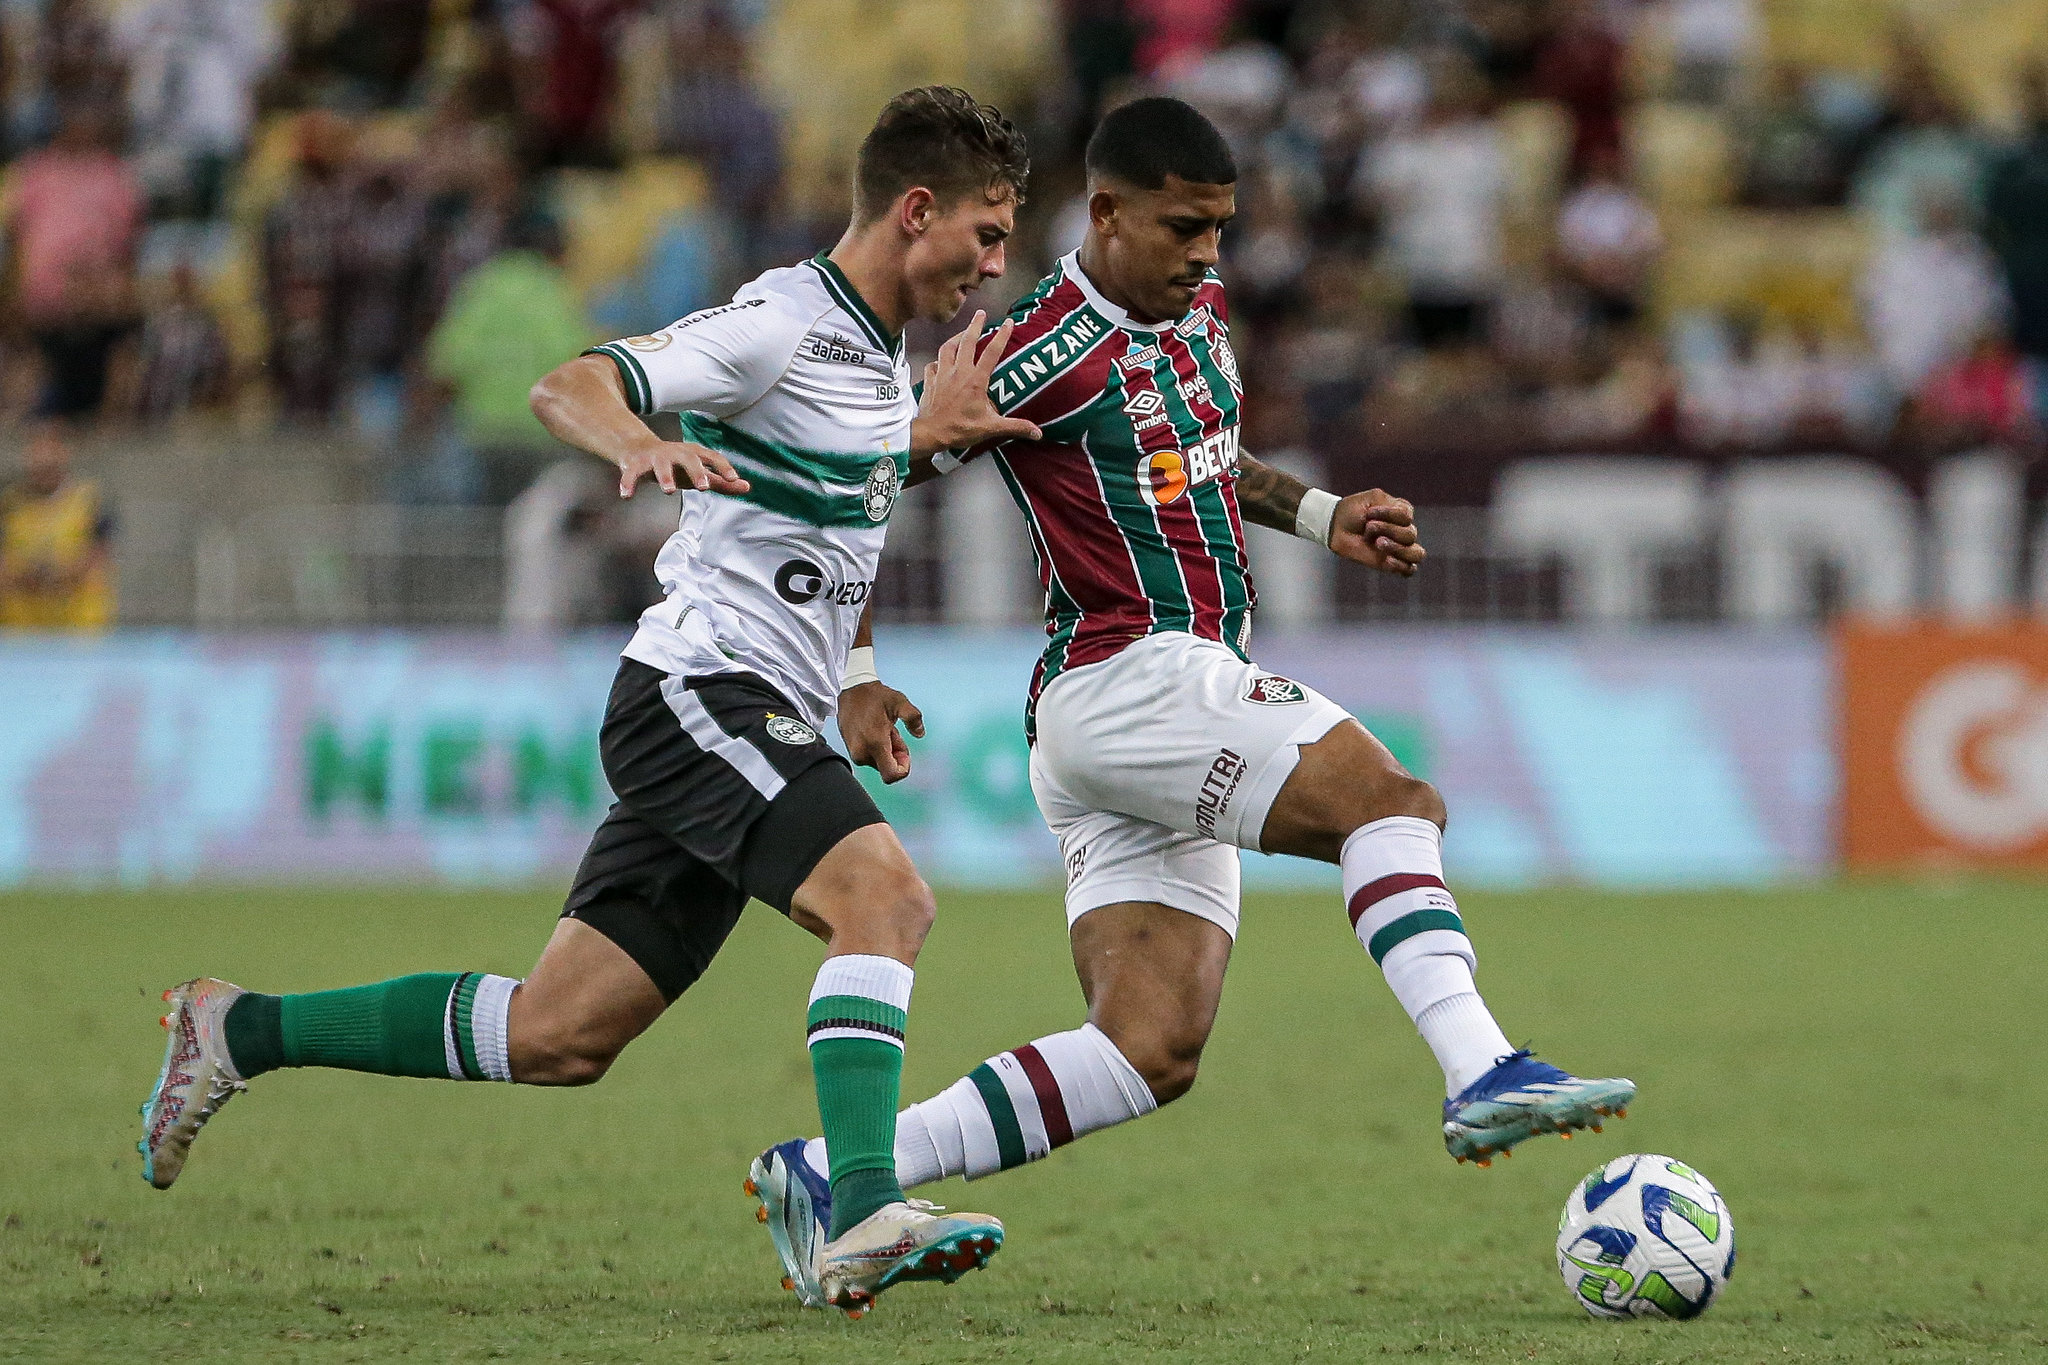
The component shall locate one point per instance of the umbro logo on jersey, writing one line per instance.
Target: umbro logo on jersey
(1270, 689)
(1144, 402)
(790, 730)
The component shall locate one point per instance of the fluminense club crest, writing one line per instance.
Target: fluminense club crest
(1270, 689)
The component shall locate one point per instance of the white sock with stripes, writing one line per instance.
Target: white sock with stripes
(474, 1033)
(1408, 921)
(1015, 1108)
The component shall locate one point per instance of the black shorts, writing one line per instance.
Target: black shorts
(723, 793)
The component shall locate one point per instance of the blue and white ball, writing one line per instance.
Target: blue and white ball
(1645, 1237)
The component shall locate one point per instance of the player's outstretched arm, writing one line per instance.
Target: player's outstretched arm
(1369, 528)
(954, 411)
(869, 710)
(582, 403)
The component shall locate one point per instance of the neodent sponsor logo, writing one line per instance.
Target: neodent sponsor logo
(1219, 785)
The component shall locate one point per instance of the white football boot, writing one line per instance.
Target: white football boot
(910, 1240)
(197, 1079)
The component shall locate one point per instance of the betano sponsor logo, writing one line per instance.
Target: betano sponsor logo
(1165, 476)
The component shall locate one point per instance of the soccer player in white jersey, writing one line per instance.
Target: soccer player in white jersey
(798, 411)
(1159, 747)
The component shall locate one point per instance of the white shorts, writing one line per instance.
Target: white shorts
(1153, 768)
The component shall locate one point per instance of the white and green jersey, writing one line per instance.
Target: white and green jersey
(802, 388)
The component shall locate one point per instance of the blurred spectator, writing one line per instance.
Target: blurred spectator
(1979, 396)
(56, 536)
(511, 320)
(468, 224)
(1927, 296)
(1101, 49)
(1239, 86)
(1172, 33)
(570, 51)
(74, 217)
(193, 69)
(2016, 221)
(1579, 66)
(712, 111)
(1926, 155)
(1628, 399)
(73, 55)
(1739, 389)
(382, 270)
(1709, 41)
(182, 361)
(1608, 240)
(1438, 193)
(1789, 155)
(305, 241)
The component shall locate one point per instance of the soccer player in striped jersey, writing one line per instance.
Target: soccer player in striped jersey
(798, 412)
(1158, 747)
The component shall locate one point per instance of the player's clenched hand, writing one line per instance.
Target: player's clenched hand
(678, 464)
(1378, 531)
(867, 722)
(955, 411)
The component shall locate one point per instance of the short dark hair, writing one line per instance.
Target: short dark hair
(1143, 142)
(943, 139)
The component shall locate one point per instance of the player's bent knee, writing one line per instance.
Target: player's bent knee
(1413, 796)
(566, 1061)
(1168, 1065)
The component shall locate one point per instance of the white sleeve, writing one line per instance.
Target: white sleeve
(717, 362)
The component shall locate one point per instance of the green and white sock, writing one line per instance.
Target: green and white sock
(439, 1025)
(859, 1004)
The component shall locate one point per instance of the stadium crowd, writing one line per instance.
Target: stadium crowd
(1465, 224)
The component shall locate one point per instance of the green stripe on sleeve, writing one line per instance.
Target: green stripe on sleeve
(639, 393)
(1002, 1115)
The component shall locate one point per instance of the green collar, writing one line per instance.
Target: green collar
(849, 298)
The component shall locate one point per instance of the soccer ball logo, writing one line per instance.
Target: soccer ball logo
(1645, 1237)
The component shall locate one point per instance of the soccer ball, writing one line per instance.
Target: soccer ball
(1645, 1237)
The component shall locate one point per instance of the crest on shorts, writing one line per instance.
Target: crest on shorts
(1270, 689)
(790, 730)
(878, 498)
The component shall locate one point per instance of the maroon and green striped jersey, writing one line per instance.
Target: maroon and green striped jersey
(1131, 495)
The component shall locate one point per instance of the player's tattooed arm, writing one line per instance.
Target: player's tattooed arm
(869, 712)
(1268, 496)
(954, 411)
(1369, 528)
(583, 403)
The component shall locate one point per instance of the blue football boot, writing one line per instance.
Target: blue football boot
(796, 1208)
(1521, 1098)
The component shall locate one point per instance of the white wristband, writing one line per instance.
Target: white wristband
(1313, 520)
(860, 667)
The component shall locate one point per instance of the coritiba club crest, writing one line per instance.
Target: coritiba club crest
(879, 497)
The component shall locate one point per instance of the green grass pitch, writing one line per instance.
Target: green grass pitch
(1860, 1069)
